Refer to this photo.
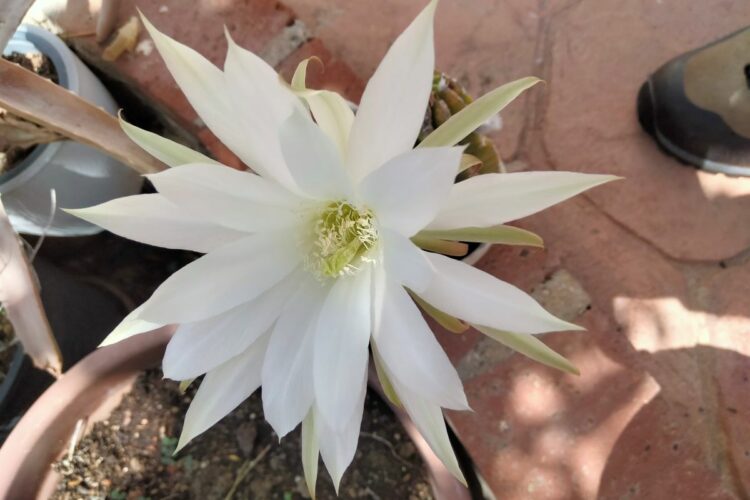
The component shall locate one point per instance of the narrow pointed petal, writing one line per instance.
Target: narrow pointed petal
(337, 448)
(310, 452)
(392, 108)
(428, 417)
(238, 200)
(404, 261)
(170, 152)
(479, 298)
(501, 234)
(492, 199)
(131, 325)
(233, 274)
(222, 390)
(340, 345)
(312, 159)
(154, 220)
(407, 192)
(199, 347)
(331, 111)
(458, 126)
(333, 115)
(411, 353)
(288, 389)
(383, 378)
(453, 325)
(261, 103)
(205, 87)
(530, 346)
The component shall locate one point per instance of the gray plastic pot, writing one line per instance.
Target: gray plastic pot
(80, 175)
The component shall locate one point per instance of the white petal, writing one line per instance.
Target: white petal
(220, 280)
(288, 366)
(261, 103)
(310, 451)
(406, 192)
(131, 325)
(491, 199)
(154, 220)
(477, 297)
(341, 348)
(394, 102)
(404, 261)
(205, 87)
(312, 159)
(222, 390)
(428, 417)
(411, 353)
(229, 197)
(201, 346)
(338, 447)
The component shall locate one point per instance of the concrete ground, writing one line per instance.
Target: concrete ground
(656, 267)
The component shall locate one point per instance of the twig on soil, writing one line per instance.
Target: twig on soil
(76, 437)
(384, 441)
(245, 470)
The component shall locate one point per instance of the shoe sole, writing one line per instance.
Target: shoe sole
(647, 119)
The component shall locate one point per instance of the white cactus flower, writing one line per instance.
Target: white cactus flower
(310, 262)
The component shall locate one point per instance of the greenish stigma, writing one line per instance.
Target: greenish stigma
(343, 235)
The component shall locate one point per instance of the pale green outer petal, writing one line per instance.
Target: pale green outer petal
(199, 347)
(131, 325)
(383, 378)
(410, 352)
(222, 390)
(205, 87)
(475, 114)
(337, 448)
(392, 108)
(479, 298)
(331, 111)
(154, 220)
(530, 346)
(404, 261)
(170, 152)
(505, 235)
(407, 192)
(341, 347)
(428, 417)
(288, 389)
(312, 159)
(227, 197)
(310, 452)
(218, 281)
(261, 102)
(491, 199)
(334, 116)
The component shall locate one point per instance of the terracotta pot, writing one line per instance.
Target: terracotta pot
(90, 390)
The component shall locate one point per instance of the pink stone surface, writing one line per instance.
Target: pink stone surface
(661, 407)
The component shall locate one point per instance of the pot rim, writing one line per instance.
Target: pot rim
(47, 426)
(29, 37)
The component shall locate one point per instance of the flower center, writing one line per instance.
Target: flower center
(343, 235)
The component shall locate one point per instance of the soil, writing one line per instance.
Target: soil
(7, 344)
(11, 152)
(130, 455)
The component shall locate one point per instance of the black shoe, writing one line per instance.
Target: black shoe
(697, 106)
